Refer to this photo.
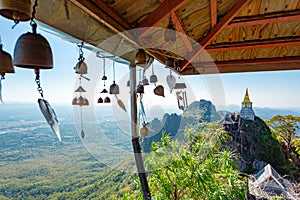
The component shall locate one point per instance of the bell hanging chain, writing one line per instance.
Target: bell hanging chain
(81, 58)
(38, 82)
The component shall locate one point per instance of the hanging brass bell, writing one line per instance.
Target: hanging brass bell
(170, 63)
(74, 101)
(153, 78)
(140, 88)
(33, 51)
(140, 57)
(6, 64)
(145, 81)
(104, 91)
(114, 88)
(100, 100)
(17, 10)
(81, 67)
(128, 83)
(144, 131)
(107, 100)
(80, 89)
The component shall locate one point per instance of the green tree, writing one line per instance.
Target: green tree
(196, 168)
(285, 130)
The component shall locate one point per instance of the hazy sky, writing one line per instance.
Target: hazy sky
(267, 89)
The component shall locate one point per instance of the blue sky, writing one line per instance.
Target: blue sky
(267, 89)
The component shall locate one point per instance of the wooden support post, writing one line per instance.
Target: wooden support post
(135, 135)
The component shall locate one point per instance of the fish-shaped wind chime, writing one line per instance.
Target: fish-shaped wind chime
(81, 68)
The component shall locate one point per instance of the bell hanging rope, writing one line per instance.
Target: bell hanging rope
(17, 10)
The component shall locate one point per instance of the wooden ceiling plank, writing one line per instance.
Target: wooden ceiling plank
(216, 30)
(213, 12)
(112, 13)
(180, 29)
(267, 43)
(159, 14)
(108, 21)
(265, 18)
(238, 66)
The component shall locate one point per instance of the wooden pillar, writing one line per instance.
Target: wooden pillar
(135, 135)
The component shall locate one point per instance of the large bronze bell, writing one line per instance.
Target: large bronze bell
(6, 64)
(17, 10)
(33, 51)
(140, 57)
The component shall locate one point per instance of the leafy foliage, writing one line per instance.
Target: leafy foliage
(196, 169)
(285, 130)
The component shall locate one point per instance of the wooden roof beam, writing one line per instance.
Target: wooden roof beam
(180, 29)
(265, 18)
(110, 19)
(238, 66)
(216, 30)
(213, 12)
(252, 44)
(159, 14)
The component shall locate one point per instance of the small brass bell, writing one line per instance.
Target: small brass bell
(17, 10)
(81, 67)
(107, 100)
(33, 51)
(140, 88)
(104, 91)
(80, 89)
(144, 131)
(74, 101)
(104, 78)
(170, 63)
(145, 81)
(6, 64)
(128, 83)
(100, 100)
(140, 57)
(153, 78)
(114, 88)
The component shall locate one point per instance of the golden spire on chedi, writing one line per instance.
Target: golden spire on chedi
(246, 98)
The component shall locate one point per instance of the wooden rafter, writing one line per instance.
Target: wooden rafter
(180, 29)
(114, 22)
(216, 30)
(159, 14)
(213, 12)
(265, 18)
(251, 65)
(252, 44)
